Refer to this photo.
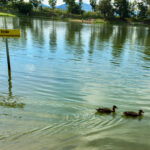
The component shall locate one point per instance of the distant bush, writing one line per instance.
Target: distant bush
(49, 12)
(47, 9)
(61, 12)
(93, 15)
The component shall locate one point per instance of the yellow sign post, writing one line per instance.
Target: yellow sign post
(9, 33)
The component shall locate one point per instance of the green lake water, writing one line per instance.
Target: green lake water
(61, 72)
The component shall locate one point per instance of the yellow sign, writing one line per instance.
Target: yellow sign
(9, 33)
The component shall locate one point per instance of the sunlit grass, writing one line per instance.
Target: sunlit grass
(88, 20)
(99, 21)
(7, 14)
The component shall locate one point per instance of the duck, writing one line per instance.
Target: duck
(133, 114)
(107, 110)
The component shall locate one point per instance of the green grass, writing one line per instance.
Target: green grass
(7, 14)
(99, 21)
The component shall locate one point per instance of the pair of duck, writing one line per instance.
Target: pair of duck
(126, 113)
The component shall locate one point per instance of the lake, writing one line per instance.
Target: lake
(63, 71)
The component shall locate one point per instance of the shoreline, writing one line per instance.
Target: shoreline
(129, 21)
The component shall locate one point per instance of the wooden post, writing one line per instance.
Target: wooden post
(8, 58)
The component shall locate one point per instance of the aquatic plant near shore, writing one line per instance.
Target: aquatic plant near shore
(12, 104)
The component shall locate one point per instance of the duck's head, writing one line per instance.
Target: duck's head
(141, 111)
(114, 107)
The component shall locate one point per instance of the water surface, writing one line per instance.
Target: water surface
(62, 72)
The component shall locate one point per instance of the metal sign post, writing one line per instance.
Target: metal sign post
(9, 33)
(8, 58)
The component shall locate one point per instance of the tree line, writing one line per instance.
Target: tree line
(107, 8)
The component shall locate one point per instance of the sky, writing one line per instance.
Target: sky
(61, 1)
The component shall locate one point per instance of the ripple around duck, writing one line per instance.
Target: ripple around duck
(84, 122)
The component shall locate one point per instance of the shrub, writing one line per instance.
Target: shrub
(93, 15)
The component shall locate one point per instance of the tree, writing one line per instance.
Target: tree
(74, 7)
(70, 4)
(93, 4)
(52, 3)
(35, 3)
(122, 8)
(4, 2)
(142, 10)
(132, 8)
(105, 8)
(24, 7)
(80, 6)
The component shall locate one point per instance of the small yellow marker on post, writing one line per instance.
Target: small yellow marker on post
(9, 33)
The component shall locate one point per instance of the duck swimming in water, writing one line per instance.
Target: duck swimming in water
(133, 114)
(107, 110)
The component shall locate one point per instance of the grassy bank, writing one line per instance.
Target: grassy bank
(88, 20)
(69, 18)
(7, 14)
(88, 17)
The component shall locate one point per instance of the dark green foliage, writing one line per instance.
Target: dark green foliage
(9, 2)
(122, 8)
(52, 3)
(74, 7)
(142, 10)
(24, 7)
(80, 6)
(71, 5)
(132, 7)
(35, 3)
(91, 15)
(93, 4)
(148, 2)
(105, 8)
(3, 2)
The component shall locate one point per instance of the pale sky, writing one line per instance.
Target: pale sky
(61, 1)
